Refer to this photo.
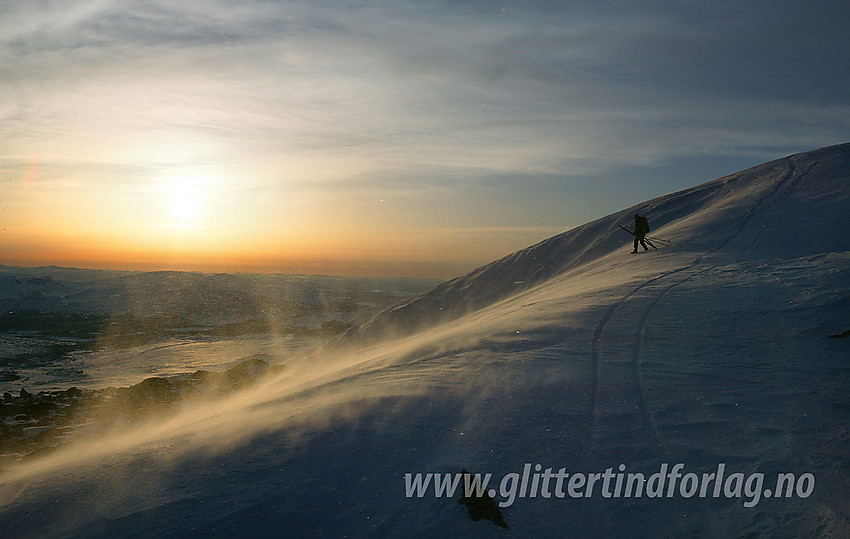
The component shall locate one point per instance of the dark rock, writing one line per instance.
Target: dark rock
(9, 376)
(200, 376)
(38, 410)
(58, 412)
(245, 372)
(198, 383)
(153, 384)
(153, 390)
(479, 507)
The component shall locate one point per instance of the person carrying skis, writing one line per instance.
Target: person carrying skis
(641, 229)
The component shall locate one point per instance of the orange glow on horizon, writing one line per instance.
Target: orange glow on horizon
(309, 258)
(199, 218)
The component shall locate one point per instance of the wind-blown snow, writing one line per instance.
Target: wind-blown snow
(571, 353)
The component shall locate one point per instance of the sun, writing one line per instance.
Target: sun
(185, 196)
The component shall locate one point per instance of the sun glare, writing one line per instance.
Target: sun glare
(185, 198)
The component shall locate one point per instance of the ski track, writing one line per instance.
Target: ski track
(774, 216)
(596, 355)
(650, 428)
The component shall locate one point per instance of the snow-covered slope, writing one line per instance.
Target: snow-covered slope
(570, 354)
(792, 197)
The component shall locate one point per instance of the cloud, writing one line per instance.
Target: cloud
(394, 78)
(458, 101)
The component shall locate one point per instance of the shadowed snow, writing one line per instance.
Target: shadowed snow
(571, 353)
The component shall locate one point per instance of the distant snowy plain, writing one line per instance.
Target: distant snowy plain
(572, 354)
(62, 327)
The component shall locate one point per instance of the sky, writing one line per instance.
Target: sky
(386, 138)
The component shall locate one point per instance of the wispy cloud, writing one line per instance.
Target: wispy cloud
(486, 102)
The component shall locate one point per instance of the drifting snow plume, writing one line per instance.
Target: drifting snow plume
(792, 201)
(710, 357)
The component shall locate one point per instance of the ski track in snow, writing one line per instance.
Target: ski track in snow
(599, 361)
(512, 383)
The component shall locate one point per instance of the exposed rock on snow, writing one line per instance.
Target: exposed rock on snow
(480, 506)
(56, 413)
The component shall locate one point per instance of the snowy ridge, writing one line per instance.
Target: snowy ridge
(699, 219)
(570, 354)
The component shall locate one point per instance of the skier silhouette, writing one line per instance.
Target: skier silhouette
(641, 228)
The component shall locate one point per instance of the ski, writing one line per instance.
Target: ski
(662, 241)
(645, 239)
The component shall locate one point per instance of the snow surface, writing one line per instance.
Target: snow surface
(179, 318)
(571, 354)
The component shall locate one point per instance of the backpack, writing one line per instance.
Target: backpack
(644, 222)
